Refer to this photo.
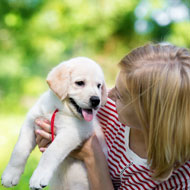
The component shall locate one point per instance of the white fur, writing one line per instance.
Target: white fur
(71, 129)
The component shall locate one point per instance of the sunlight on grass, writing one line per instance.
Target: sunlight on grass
(10, 127)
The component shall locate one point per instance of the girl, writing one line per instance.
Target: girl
(146, 123)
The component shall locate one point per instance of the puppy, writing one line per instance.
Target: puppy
(77, 90)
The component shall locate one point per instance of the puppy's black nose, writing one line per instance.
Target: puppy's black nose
(94, 100)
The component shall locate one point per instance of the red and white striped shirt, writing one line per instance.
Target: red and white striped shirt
(128, 170)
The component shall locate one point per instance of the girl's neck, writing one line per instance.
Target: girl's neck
(137, 142)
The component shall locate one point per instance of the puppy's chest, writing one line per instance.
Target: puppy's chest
(68, 124)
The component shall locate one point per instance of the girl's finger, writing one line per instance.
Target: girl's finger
(44, 124)
(38, 138)
(44, 143)
(43, 149)
(44, 134)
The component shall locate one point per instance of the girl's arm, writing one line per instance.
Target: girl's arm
(91, 153)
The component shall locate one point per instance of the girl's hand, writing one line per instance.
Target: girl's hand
(87, 149)
(43, 140)
(43, 135)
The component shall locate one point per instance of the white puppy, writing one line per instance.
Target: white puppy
(77, 90)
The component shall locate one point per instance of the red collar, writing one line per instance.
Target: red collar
(52, 124)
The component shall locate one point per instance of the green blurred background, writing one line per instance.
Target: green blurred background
(35, 35)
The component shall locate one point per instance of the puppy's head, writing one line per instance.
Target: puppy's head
(80, 82)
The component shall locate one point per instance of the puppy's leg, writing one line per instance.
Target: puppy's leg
(76, 175)
(52, 157)
(70, 175)
(25, 144)
(57, 181)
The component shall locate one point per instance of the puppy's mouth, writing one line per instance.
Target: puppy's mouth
(87, 114)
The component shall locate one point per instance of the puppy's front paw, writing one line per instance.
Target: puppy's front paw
(11, 176)
(40, 179)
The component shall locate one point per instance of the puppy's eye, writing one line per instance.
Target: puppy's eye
(80, 83)
(99, 85)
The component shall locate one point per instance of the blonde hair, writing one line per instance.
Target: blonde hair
(158, 80)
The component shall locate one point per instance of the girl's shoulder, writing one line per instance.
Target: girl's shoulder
(180, 178)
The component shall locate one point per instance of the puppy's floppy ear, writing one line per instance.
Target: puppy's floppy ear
(104, 94)
(58, 80)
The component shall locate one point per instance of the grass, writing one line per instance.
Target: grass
(10, 127)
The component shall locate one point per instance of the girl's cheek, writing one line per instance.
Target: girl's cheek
(122, 119)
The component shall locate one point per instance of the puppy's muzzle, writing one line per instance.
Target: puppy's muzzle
(94, 101)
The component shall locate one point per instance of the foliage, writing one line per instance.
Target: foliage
(35, 35)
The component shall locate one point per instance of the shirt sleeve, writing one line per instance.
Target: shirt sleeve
(180, 179)
(106, 114)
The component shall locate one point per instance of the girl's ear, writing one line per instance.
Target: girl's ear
(58, 80)
(104, 94)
